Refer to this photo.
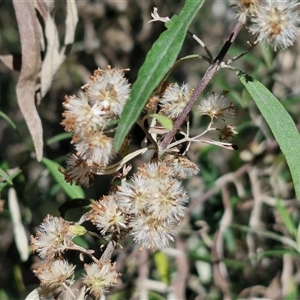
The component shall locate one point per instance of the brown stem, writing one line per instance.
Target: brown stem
(209, 74)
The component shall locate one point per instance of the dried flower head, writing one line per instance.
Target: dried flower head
(80, 116)
(168, 200)
(99, 277)
(182, 167)
(153, 196)
(227, 132)
(168, 196)
(155, 170)
(276, 22)
(77, 171)
(52, 238)
(175, 99)
(55, 273)
(247, 4)
(245, 8)
(156, 17)
(153, 101)
(151, 232)
(95, 148)
(135, 194)
(216, 106)
(86, 116)
(108, 215)
(108, 90)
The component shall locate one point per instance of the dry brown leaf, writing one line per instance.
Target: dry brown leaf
(13, 62)
(52, 60)
(31, 41)
(31, 61)
(71, 22)
(43, 9)
(54, 56)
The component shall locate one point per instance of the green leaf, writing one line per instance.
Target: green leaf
(59, 137)
(5, 176)
(78, 240)
(275, 253)
(155, 296)
(158, 61)
(33, 295)
(11, 177)
(164, 121)
(8, 120)
(71, 204)
(280, 122)
(298, 234)
(286, 218)
(294, 294)
(268, 234)
(72, 191)
(4, 296)
(162, 265)
(20, 236)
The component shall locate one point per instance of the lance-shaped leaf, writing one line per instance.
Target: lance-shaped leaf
(164, 121)
(158, 61)
(31, 61)
(19, 229)
(55, 54)
(280, 122)
(72, 191)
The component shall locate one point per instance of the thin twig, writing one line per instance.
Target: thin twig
(251, 46)
(190, 139)
(229, 177)
(220, 279)
(83, 250)
(106, 256)
(201, 43)
(209, 74)
(143, 271)
(179, 284)
(69, 290)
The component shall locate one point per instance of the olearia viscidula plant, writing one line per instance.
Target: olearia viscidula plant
(148, 205)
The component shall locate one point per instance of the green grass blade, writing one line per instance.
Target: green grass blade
(275, 253)
(164, 121)
(5, 176)
(159, 60)
(59, 137)
(162, 266)
(72, 191)
(286, 218)
(268, 234)
(8, 180)
(280, 122)
(8, 120)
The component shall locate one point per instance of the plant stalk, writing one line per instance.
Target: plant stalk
(209, 74)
